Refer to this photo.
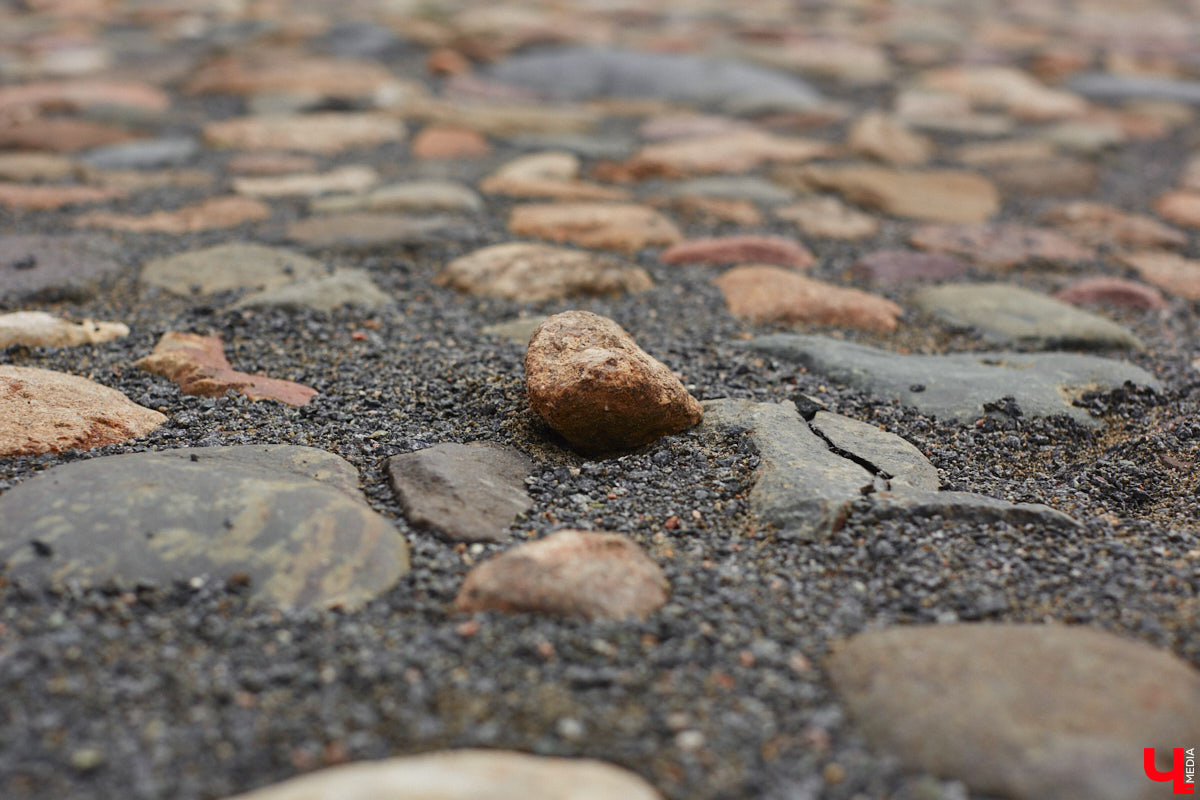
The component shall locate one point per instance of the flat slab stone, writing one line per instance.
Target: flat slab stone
(169, 151)
(364, 230)
(465, 775)
(1008, 314)
(345, 287)
(1021, 711)
(290, 519)
(58, 267)
(730, 187)
(1106, 86)
(581, 73)
(960, 386)
(896, 458)
(531, 272)
(465, 492)
(229, 266)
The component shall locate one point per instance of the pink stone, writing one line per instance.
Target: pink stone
(1112, 292)
(740, 249)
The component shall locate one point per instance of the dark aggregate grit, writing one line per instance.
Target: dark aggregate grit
(184, 692)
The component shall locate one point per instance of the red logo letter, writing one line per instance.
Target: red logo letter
(1177, 771)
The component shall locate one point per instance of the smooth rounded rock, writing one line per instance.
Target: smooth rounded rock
(533, 272)
(590, 382)
(764, 293)
(568, 574)
(626, 227)
(61, 267)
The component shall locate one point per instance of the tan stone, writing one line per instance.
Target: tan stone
(44, 197)
(443, 142)
(764, 293)
(626, 227)
(47, 412)
(534, 272)
(136, 180)
(39, 329)
(1008, 88)
(989, 154)
(269, 73)
(24, 167)
(727, 152)
(1058, 177)
(1189, 179)
(570, 573)
(268, 163)
(552, 174)
(933, 195)
(735, 249)
(415, 196)
(506, 119)
(887, 139)
(218, 212)
(829, 218)
(464, 775)
(198, 365)
(352, 178)
(1002, 245)
(1182, 208)
(1171, 271)
(60, 134)
(1100, 224)
(309, 133)
(82, 93)
(711, 210)
(590, 382)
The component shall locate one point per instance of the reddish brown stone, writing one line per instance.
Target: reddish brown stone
(1116, 292)
(896, 266)
(60, 134)
(269, 73)
(76, 94)
(47, 412)
(763, 293)
(608, 226)
(588, 380)
(50, 196)
(447, 61)
(569, 573)
(1002, 245)
(219, 212)
(198, 365)
(739, 249)
(442, 142)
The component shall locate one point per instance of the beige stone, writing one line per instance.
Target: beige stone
(735, 249)
(39, 329)
(1100, 224)
(46, 197)
(1171, 271)
(887, 139)
(274, 73)
(47, 412)
(727, 152)
(764, 293)
(570, 573)
(627, 227)
(218, 212)
(308, 133)
(1182, 208)
(829, 218)
(1002, 245)
(24, 167)
(1008, 88)
(352, 178)
(416, 196)
(552, 174)
(932, 195)
(533, 272)
(590, 382)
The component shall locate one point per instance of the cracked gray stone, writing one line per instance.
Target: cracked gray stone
(1009, 315)
(958, 386)
(805, 487)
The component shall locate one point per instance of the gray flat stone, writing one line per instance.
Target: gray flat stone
(898, 459)
(582, 144)
(414, 196)
(465, 492)
(291, 519)
(1104, 86)
(229, 266)
(144, 154)
(345, 287)
(582, 73)
(730, 187)
(58, 267)
(958, 386)
(363, 230)
(1007, 314)
(1026, 712)
(518, 330)
(805, 487)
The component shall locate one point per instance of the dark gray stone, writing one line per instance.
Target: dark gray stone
(290, 519)
(368, 231)
(582, 73)
(1010, 315)
(144, 154)
(58, 267)
(1026, 712)
(465, 492)
(1103, 86)
(958, 386)
(805, 487)
(345, 287)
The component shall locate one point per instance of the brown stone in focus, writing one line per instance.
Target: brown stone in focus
(737, 249)
(1116, 292)
(569, 573)
(198, 364)
(533, 272)
(47, 412)
(626, 227)
(590, 382)
(763, 293)
(218, 212)
(1170, 271)
(1002, 245)
(42, 197)
(1099, 224)
(443, 142)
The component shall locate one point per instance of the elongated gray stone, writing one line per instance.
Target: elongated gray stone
(55, 267)
(229, 266)
(581, 73)
(290, 519)
(1007, 314)
(959, 386)
(805, 487)
(1105, 86)
(465, 492)
(1026, 712)
(345, 287)
(731, 187)
(144, 154)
